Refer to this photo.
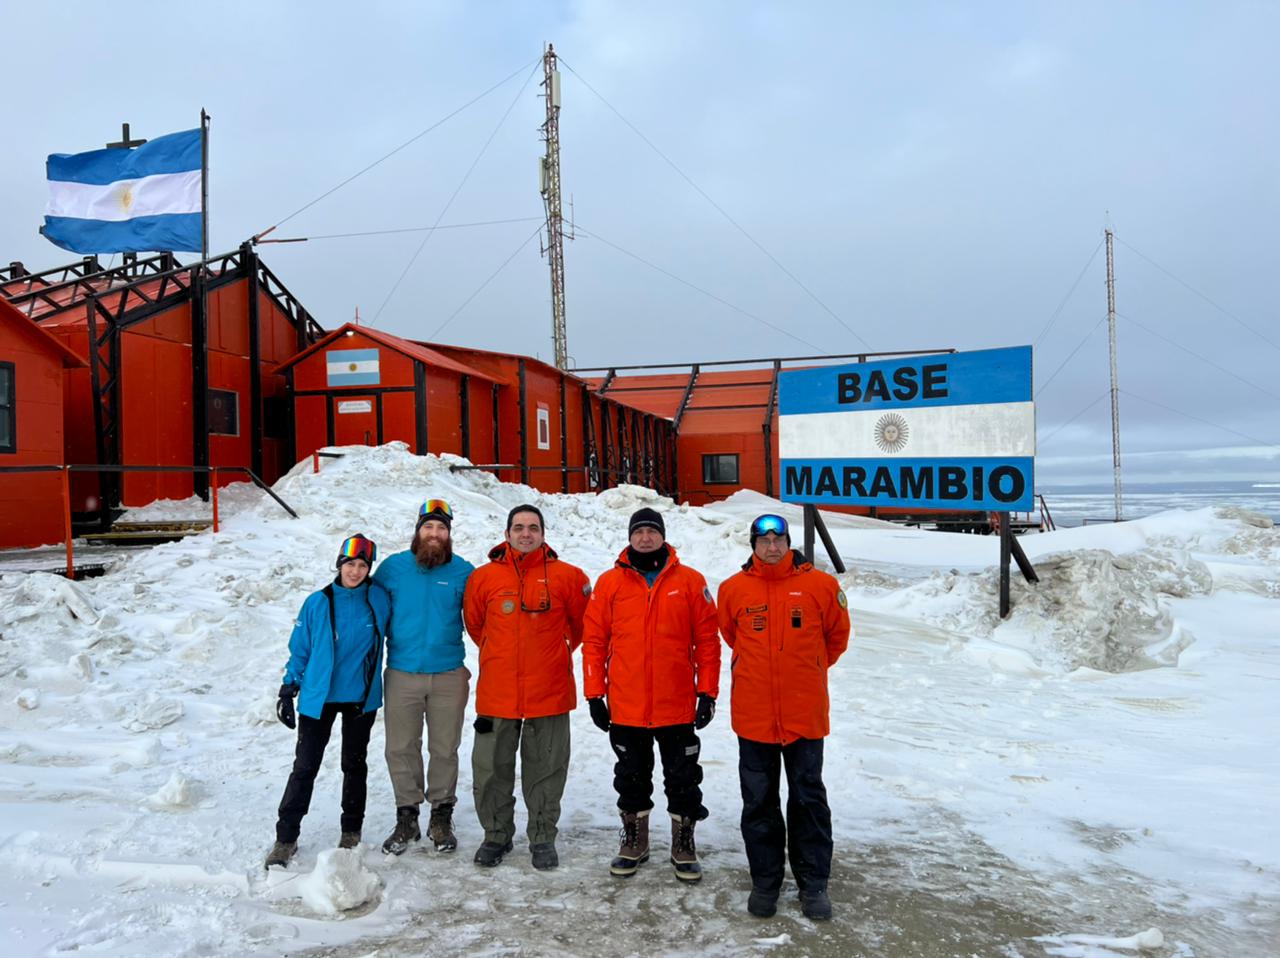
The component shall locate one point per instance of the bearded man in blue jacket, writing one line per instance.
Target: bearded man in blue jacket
(426, 681)
(334, 668)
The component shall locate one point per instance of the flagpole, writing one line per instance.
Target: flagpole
(204, 184)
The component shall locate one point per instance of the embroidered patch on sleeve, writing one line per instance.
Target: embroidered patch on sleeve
(706, 593)
(843, 600)
(586, 589)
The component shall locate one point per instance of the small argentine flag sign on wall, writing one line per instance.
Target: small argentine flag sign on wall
(352, 367)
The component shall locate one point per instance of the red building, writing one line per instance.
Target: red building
(518, 417)
(33, 367)
(177, 369)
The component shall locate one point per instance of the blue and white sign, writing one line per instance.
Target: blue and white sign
(951, 431)
(125, 201)
(352, 367)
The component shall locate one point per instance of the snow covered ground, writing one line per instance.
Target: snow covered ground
(1095, 776)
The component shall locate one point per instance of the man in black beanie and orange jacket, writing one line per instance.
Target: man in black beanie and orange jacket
(651, 672)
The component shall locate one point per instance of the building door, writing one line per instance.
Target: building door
(355, 420)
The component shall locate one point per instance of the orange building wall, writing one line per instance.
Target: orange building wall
(31, 511)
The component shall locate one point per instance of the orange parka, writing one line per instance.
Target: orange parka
(525, 614)
(787, 624)
(651, 650)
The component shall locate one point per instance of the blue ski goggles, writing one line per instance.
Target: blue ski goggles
(763, 525)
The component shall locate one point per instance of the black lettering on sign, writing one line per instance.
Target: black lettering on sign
(797, 481)
(882, 484)
(951, 484)
(917, 483)
(1017, 484)
(904, 381)
(877, 388)
(854, 477)
(847, 388)
(935, 381)
(827, 482)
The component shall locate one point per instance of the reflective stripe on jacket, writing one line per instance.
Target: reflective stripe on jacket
(651, 650)
(525, 614)
(787, 624)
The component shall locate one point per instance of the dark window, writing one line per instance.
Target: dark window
(224, 412)
(275, 417)
(720, 467)
(8, 410)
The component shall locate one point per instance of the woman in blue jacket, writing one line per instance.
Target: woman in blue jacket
(335, 668)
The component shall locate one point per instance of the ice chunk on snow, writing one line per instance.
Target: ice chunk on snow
(81, 666)
(1082, 946)
(151, 713)
(178, 792)
(339, 883)
(28, 699)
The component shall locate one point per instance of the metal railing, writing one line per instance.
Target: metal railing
(66, 471)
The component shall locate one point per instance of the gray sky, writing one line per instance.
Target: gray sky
(936, 174)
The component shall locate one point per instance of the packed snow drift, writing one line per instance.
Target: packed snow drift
(1096, 775)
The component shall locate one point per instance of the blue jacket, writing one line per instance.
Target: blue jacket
(425, 634)
(314, 645)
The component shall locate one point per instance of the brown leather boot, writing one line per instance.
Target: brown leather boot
(633, 848)
(684, 854)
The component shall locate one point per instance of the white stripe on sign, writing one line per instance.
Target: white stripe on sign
(993, 429)
(126, 199)
(353, 369)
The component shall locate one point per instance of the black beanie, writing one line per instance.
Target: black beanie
(646, 518)
(526, 508)
(439, 515)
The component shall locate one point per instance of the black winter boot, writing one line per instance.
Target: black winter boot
(490, 854)
(684, 854)
(815, 904)
(762, 903)
(440, 828)
(406, 831)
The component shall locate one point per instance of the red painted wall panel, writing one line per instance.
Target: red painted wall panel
(31, 511)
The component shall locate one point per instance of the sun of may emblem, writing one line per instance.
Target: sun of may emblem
(891, 432)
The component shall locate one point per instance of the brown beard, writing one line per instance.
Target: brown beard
(429, 554)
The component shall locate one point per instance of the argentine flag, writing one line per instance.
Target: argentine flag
(127, 200)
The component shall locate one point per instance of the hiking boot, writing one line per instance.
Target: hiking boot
(489, 854)
(762, 903)
(633, 848)
(406, 831)
(544, 855)
(684, 854)
(440, 828)
(349, 840)
(281, 853)
(815, 904)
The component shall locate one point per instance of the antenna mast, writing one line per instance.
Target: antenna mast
(1115, 387)
(550, 185)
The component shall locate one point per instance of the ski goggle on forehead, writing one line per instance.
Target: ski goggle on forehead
(767, 524)
(358, 547)
(435, 505)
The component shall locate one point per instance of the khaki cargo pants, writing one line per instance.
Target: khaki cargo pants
(440, 700)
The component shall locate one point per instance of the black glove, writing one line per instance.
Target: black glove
(599, 713)
(706, 710)
(284, 705)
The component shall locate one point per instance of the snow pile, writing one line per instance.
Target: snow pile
(1101, 946)
(339, 882)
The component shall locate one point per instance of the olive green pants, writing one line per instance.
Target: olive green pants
(544, 766)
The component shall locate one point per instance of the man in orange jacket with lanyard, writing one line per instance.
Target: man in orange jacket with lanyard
(787, 624)
(650, 644)
(524, 609)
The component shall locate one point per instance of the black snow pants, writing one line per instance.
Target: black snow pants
(313, 736)
(681, 773)
(805, 836)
